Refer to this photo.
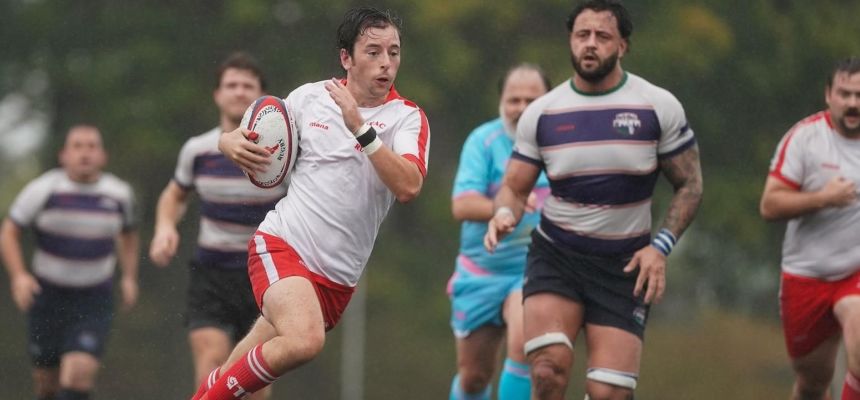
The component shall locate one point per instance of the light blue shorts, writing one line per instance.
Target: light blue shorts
(477, 296)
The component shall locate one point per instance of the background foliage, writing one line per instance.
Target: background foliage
(143, 71)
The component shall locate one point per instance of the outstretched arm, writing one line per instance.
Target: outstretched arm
(685, 174)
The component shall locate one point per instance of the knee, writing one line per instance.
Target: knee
(300, 348)
(812, 383)
(474, 380)
(547, 375)
(602, 391)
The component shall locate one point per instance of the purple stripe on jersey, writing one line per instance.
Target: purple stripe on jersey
(679, 150)
(73, 248)
(526, 159)
(215, 165)
(591, 245)
(83, 202)
(596, 125)
(606, 189)
(223, 259)
(243, 214)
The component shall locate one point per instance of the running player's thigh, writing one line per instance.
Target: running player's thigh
(478, 351)
(512, 312)
(292, 307)
(816, 367)
(547, 312)
(613, 348)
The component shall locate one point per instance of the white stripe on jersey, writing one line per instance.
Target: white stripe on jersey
(79, 224)
(223, 236)
(604, 222)
(629, 157)
(72, 273)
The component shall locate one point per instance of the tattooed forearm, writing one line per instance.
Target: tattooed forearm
(685, 174)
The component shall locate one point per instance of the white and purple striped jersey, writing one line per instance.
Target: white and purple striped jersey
(601, 154)
(75, 226)
(337, 201)
(231, 206)
(822, 244)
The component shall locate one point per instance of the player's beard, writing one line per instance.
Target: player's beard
(849, 131)
(604, 67)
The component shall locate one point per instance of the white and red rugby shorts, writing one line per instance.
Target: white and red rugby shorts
(271, 259)
(806, 307)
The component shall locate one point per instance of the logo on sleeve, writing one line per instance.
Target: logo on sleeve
(626, 123)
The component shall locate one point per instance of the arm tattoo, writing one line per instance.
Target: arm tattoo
(685, 174)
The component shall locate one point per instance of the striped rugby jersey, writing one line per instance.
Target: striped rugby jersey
(75, 225)
(600, 152)
(337, 201)
(231, 206)
(821, 244)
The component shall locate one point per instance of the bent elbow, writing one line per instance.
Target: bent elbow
(408, 194)
(767, 213)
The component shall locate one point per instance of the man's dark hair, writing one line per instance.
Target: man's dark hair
(357, 20)
(851, 65)
(625, 24)
(242, 61)
(528, 67)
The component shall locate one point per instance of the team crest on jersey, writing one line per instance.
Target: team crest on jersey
(626, 123)
(108, 204)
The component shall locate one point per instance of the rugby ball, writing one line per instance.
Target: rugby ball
(275, 130)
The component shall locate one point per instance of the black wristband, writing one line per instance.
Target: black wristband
(367, 138)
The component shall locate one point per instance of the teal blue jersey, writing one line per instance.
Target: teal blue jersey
(482, 166)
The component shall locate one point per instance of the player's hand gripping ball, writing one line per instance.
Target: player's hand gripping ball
(274, 129)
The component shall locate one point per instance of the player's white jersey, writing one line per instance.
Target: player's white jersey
(231, 207)
(601, 153)
(75, 226)
(337, 201)
(823, 244)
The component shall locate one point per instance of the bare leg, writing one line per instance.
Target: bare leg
(477, 356)
(613, 349)
(550, 365)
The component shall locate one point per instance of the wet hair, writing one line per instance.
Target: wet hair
(357, 20)
(622, 16)
(241, 61)
(850, 65)
(526, 67)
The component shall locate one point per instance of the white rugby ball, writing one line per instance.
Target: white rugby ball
(275, 130)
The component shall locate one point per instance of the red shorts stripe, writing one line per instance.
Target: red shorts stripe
(271, 259)
(806, 307)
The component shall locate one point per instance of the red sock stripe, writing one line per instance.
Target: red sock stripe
(248, 375)
(258, 365)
